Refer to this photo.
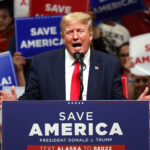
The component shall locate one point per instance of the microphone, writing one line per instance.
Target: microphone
(79, 56)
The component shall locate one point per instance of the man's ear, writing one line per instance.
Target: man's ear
(62, 37)
(91, 36)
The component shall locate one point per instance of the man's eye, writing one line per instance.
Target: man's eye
(80, 31)
(69, 32)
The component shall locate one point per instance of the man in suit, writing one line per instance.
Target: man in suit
(51, 72)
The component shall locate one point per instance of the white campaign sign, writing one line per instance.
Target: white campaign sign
(140, 52)
(18, 89)
(21, 8)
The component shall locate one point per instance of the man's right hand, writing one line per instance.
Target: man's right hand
(8, 97)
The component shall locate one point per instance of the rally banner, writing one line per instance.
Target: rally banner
(110, 9)
(53, 7)
(35, 35)
(140, 53)
(78, 125)
(7, 71)
(21, 8)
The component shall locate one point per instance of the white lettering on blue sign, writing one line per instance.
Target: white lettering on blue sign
(114, 5)
(69, 129)
(77, 129)
(76, 116)
(41, 43)
(43, 31)
(6, 81)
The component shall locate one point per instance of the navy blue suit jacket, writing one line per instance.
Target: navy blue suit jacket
(47, 77)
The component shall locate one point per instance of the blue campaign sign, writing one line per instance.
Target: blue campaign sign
(7, 71)
(109, 9)
(88, 125)
(35, 35)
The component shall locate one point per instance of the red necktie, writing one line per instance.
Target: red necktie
(75, 83)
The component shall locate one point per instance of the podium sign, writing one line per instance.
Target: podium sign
(89, 125)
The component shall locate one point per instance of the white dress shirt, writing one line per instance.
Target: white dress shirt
(69, 68)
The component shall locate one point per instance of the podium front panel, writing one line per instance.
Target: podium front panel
(77, 125)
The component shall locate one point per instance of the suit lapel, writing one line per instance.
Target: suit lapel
(94, 75)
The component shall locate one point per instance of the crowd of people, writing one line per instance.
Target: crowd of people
(111, 38)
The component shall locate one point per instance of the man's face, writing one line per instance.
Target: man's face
(77, 38)
(5, 19)
(124, 55)
(140, 83)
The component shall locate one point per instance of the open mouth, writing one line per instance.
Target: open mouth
(77, 45)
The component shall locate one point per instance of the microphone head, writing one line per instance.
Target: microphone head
(78, 56)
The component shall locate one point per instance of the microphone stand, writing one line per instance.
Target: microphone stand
(81, 78)
(79, 57)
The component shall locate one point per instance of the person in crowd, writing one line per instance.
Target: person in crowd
(123, 56)
(19, 62)
(6, 32)
(21, 9)
(52, 73)
(113, 35)
(97, 42)
(6, 25)
(126, 64)
(139, 84)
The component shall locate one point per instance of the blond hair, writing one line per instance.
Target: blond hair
(74, 17)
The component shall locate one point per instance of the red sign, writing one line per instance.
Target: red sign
(76, 147)
(57, 7)
(124, 79)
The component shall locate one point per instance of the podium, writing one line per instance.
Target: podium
(77, 125)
